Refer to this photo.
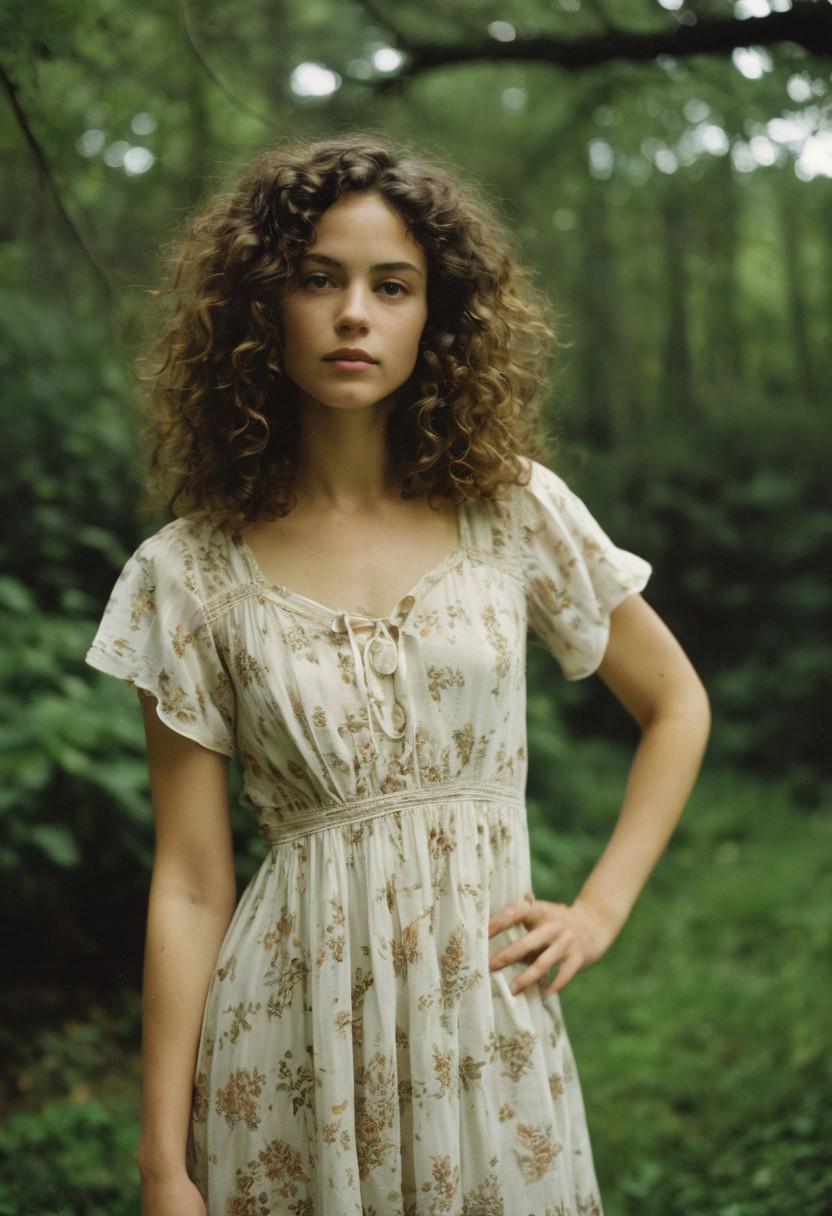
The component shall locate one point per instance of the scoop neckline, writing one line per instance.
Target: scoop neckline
(422, 584)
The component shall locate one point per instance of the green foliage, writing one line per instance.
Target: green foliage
(89, 1150)
(70, 475)
(76, 1108)
(76, 829)
(559, 791)
(71, 741)
(736, 518)
(701, 1037)
(54, 1050)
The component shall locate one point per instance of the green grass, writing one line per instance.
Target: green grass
(702, 1038)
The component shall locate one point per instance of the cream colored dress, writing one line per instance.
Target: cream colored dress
(356, 1056)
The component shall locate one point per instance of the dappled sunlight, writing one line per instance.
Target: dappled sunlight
(313, 80)
(514, 100)
(795, 136)
(502, 31)
(387, 59)
(760, 8)
(752, 62)
(143, 124)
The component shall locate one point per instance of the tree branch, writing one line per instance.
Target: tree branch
(40, 159)
(196, 51)
(807, 24)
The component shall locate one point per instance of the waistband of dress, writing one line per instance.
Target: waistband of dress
(337, 814)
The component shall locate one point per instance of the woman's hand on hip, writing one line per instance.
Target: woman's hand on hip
(571, 935)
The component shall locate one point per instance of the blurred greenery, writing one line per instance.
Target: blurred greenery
(677, 210)
(702, 1036)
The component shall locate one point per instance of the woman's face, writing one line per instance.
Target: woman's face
(361, 287)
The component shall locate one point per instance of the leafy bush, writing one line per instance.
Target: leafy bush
(736, 517)
(89, 1150)
(71, 1071)
(76, 827)
(70, 468)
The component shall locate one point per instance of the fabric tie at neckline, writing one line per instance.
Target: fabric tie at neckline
(379, 656)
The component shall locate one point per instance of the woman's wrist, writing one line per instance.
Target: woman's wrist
(611, 916)
(159, 1164)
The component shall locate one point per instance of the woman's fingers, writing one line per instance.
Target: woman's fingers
(540, 960)
(559, 952)
(553, 940)
(510, 915)
(569, 968)
(529, 944)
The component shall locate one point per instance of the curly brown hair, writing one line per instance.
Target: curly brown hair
(220, 437)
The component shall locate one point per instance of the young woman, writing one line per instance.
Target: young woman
(346, 425)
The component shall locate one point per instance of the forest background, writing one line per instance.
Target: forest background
(667, 168)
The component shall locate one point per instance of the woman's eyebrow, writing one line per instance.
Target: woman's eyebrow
(327, 261)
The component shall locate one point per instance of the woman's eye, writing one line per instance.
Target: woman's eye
(390, 288)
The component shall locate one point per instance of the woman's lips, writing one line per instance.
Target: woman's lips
(349, 365)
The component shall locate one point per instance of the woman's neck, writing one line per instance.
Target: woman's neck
(344, 461)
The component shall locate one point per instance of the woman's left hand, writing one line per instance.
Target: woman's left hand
(575, 936)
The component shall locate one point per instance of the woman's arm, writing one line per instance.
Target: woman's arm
(647, 670)
(191, 902)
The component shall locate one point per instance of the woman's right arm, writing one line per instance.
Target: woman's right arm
(191, 902)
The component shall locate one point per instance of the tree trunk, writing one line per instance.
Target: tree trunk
(676, 389)
(602, 392)
(788, 205)
(725, 356)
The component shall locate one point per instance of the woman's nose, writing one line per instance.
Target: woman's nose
(353, 308)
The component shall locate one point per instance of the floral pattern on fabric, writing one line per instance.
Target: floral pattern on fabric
(356, 1056)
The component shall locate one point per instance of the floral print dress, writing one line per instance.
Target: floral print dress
(356, 1055)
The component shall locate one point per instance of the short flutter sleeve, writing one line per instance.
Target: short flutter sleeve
(154, 634)
(574, 575)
